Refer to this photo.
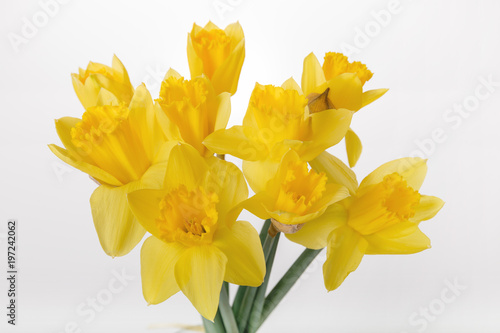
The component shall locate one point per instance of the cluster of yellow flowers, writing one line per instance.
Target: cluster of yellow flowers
(160, 168)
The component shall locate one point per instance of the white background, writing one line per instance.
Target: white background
(431, 55)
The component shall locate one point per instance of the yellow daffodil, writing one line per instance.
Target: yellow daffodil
(89, 83)
(218, 54)
(338, 84)
(193, 108)
(276, 120)
(197, 242)
(381, 218)
(295, 195)
(119, 147)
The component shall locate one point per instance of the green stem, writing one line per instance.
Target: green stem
(248, 299)
(287, 282)
(258, 304)
(238, 299)
(226, 311)
(217, 326)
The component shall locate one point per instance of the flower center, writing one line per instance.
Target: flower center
(106, 139)
(281, 112)
(189, 217)
(213, 47)
(382, 205)
(337, 63)
(300, 189)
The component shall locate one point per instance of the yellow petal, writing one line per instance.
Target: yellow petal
(402, 238)
(63, 128)
(227, 75)
(106, 98)
(224, 110)
(336, 171)
(237, 141)
(412, 169)
(120, 88)
(245, 260)
(314, 234)
(312, 74)
(346, 91)
(344, 253)
(291, 84)
(372, 95)
(257, 205)
(118, 230)
(172, 72)
(427, 208)
(86, 92)
(97, 173)
(195, 62)
(169, 128)
(199, 273)
(185, 167)
(258, 173)
(235, 32)
(145, 205)
(158, 261)
(142, 117)
(228, 182)
(328, 128)
(353, 147)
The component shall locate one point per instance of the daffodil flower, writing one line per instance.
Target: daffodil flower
(90, 83)
(218, 54)
(295, 195)
(278, 119)
(338, 84)
(197, 242)
(119, 147)
(381, 218)
(193, 108)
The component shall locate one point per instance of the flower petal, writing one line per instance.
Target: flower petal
(336, 171)
(199, 273)
(257, 205)
(314, 234)
(402, 238)
(145, 205)
(227, 75)
(353, 147)
(158, 261)
(63, 128)
(185, 167)
(237, 141)
(312, 74)
(328, 128)
(228, 182)
(258, 173)
(86, 92)
(412, 169)
(344, 253)
(291, 84)
(97, 173)
(245, 260)
(427, 208)
(346, 91)
(372, 95)
(224, 110)
(118, 230)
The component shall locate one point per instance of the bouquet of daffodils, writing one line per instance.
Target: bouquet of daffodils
(160, 166)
